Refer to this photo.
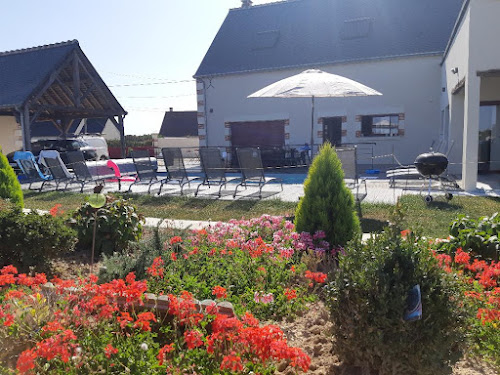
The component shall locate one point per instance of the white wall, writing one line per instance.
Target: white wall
(189, 145)
(409, 85)
(472, 51)
(10, 134)
(110, 131)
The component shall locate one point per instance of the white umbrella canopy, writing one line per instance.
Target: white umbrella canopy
(314, 83)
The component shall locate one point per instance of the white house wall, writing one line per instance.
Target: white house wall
(10, 135)
(471, 52)
(410, 87)
(110, 131)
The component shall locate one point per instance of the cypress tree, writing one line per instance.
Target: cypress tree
(10, 188)
(328, 204)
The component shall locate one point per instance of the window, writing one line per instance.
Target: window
(356, 28)
(380, 126)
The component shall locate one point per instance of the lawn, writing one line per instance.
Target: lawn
(432, 220)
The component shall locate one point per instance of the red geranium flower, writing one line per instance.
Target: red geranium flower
(109, 350)
(219, 292)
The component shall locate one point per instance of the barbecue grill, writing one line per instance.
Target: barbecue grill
(432, 165)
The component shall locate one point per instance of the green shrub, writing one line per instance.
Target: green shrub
(138, 257)
(368, 298)
(32, 240)
(118, 223)
(477, 236)
(328, 204)
(10, 188)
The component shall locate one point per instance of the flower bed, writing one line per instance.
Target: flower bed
(94, 327)
(258, 265)
(82, 326)
(481, 291)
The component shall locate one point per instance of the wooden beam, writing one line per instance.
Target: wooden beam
(75, 113)
(87, 91)
(49, 83)
(66, 90)
(98, 86)
(76, 79)
(35, 116)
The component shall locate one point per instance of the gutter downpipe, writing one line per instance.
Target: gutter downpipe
(205, 111)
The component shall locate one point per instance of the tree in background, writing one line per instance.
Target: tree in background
(328, 204)
(10, 188)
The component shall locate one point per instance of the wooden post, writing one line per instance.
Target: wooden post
(122, 135)
(25, 127)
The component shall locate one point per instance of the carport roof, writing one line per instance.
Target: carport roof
(22, 71)
(45, 77)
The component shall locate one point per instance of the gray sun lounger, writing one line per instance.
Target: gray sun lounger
(59, 172)
(146, 173)
(252, 170)
(214, 170)
(77, 163)
(349, 160)
(176, 170)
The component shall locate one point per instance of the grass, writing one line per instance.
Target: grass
(182, 208)
(432, 220)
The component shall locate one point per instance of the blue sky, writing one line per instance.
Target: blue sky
(139, 44)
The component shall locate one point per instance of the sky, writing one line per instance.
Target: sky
(146, 51)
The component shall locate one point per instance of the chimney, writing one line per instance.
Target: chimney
(171, 109)
(246, 3)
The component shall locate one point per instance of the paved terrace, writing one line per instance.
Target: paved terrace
(378, 187)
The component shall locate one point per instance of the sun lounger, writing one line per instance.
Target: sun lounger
(82, 173)
(214, 170)
(252, 171)
(146, 173)
(348, 158)
(176, 170)
(30, 169)
(57, 168)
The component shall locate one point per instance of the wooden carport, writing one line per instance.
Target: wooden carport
(55, 83)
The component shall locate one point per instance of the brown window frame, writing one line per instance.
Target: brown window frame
(390, 130)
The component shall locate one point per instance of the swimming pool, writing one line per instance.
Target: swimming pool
(287, 178)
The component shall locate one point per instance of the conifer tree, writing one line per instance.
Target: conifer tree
(10, 188)
(328, 204)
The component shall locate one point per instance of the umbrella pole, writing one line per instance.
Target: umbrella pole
(312, 127)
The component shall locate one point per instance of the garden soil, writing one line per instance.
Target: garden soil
(313, 333)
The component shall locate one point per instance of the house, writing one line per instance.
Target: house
(179, 124)
(179, 129)
(404, 49)
(55, 83)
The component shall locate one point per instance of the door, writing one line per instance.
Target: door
(269, 136)
(263, 134)
(332, 130)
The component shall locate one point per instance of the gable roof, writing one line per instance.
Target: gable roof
(300, 33)
(23, 70)
(179, 124)
(56, 80)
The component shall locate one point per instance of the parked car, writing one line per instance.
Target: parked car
(99, 143)
(63, 146)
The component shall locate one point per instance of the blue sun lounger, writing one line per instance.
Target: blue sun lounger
(28, 165)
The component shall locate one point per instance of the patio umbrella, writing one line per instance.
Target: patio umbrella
(314, 83)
